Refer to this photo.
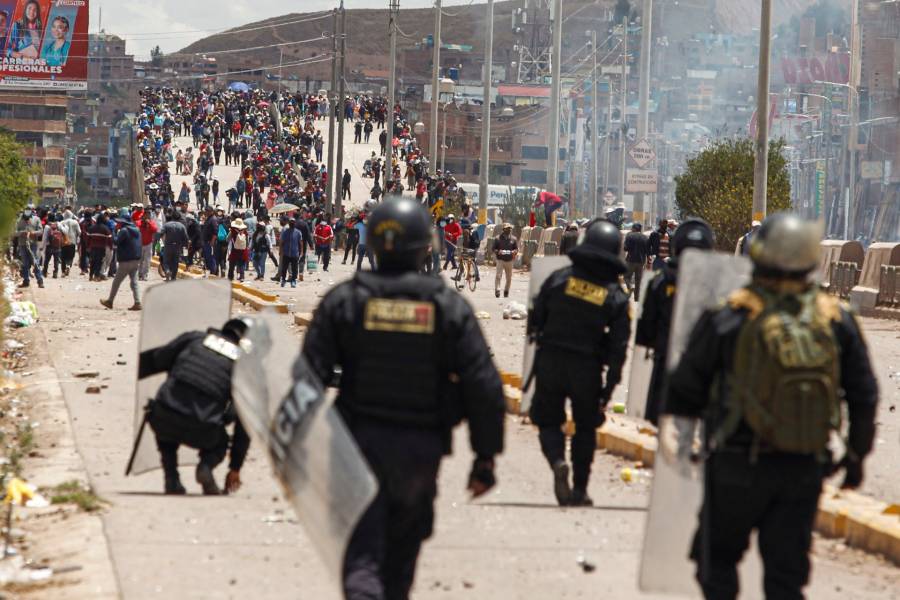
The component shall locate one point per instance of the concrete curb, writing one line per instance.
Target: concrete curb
(245, 294)
(862, 522)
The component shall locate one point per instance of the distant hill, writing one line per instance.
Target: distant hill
(368, 43)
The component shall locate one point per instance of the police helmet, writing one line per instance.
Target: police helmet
(693, 233)
(399, 233)
(603, 235)
(786, 246)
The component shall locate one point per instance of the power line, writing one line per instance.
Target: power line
(166, 77)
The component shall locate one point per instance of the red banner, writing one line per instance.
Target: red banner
(833, 68)
(44, 44)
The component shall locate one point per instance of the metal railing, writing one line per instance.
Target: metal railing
(842, 278)
(888, 286)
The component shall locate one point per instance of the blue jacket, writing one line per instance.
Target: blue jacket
(128, 243)
(291, 242)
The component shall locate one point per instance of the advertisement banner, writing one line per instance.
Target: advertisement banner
(820, 186)
(44, 44)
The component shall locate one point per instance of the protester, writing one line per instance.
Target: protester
(128, 247)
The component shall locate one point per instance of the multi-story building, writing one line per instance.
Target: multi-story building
(108, 64)
(102, 162)
(39, 122)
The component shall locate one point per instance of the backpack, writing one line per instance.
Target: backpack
(56, 237)
(240, 241)
(785, 378)
(222, 233)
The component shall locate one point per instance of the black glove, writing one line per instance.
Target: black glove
(482, 478)
(853, 473)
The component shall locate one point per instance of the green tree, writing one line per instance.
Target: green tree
(156, 56)
(17, 181)
(717, 185)
(518, 207)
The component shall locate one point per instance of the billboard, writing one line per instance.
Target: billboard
(44, 44)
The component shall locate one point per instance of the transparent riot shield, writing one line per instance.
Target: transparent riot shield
(705, 279)
(640, 368)
(541, 268)
(171, 309)
(313, 455)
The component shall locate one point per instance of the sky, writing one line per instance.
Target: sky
(173, 24)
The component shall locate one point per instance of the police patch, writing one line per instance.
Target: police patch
(405, 316)
(586, 291)
(222, 346)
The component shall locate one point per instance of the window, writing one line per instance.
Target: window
(532, 176)
(476, 167)
(455, 166)
(103, 162)
(504, 144)
(103, 182)
(562, 153)
(83, 161)
(501, 171)
(535, 152)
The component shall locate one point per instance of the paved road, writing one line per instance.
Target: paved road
(514, 544)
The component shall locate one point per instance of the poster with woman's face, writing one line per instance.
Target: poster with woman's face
(7, 8)
(58, 35)
(27, 29)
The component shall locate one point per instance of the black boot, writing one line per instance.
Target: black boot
(580, 498)
(561, 483)
(173, 485)
(206, 480)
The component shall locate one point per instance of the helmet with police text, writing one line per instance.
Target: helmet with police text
(603, 235)
(786, 246)
(693, 233)
(399, 233)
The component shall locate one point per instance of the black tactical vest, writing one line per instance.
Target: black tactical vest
(578, 313)
(199, 383)
(397, 374)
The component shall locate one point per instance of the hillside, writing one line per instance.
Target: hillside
(367, 41)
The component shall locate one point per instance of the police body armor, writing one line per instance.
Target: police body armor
(398, 322)
(199, 383)
(578, 308)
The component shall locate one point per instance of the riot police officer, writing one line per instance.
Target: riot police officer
(769, 371)
(193, 405)
(413, 362)
(656, 312)
(580, 322)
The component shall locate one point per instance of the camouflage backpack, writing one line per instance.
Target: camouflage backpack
(785, 378)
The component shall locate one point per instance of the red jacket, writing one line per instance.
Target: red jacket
(452, 231)
(146, 226)
(324, 234)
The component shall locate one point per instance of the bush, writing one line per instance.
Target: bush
(717, 185)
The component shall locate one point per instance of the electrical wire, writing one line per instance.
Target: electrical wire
(307, 61)
(215, 32)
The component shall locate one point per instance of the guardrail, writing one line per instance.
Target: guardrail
(888, 286)
(842, 277)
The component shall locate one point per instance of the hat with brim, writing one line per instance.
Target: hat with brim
(238, 224)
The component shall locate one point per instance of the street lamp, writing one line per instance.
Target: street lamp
(854, 123)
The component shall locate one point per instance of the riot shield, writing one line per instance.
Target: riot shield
(641, 368)
(541, 268)
(704, 281)
(313, 455)
(171, 309)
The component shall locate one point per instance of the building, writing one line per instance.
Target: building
(102, 163)
(108, 64)
(39, 122)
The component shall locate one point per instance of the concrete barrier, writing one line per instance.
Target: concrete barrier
(864, 296)
(837, 280)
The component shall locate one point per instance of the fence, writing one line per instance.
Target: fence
(887, 286)
(842, 277)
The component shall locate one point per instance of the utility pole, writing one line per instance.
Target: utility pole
(484, 168)
(329, 197)
(853, 104)
(761, 166)
(623, 131)
(435, 89)
(595, 124)
(556, 76)
(609, 108)
(339, 168)
(644, 96)
(392, 96)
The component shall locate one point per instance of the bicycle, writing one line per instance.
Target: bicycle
(465, 272)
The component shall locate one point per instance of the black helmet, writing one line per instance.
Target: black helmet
(693, 233)
(603, 235)
(399, 233)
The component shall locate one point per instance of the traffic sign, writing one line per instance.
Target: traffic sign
(640, 180)
(642, 153)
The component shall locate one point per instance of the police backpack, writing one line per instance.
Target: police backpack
(785, 378)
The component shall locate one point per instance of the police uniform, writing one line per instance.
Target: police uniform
(413, 362)
(653, 332)
(656, 312)
(750, 482)
(581, 323)
(193, 405)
